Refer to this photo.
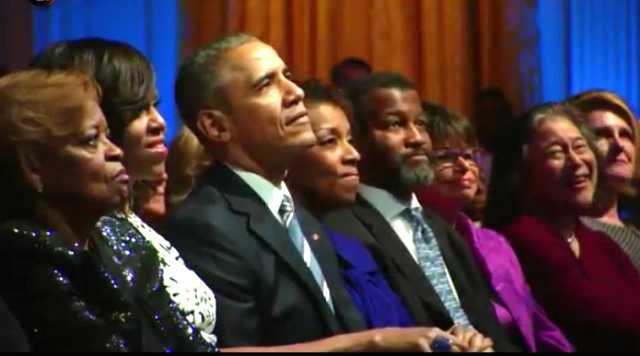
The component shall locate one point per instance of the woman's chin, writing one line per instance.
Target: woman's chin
(617, 181)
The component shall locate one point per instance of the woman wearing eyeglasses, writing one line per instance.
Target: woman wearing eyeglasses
(455, 185)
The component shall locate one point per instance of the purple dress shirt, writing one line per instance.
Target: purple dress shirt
(516, 306)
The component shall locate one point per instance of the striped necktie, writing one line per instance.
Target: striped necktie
(432, 264)
(296, 235)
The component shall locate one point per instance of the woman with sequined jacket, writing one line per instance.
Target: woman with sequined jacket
(129, 101)
(60, 173)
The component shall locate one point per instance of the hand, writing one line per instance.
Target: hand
(410, 339)
(472, 340)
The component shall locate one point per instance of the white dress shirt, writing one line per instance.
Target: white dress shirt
(270, 194)
(391, 209)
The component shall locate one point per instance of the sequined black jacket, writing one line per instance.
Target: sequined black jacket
(135, 266)
(63, 301)
(68, 299)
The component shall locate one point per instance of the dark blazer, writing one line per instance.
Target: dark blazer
(364, 222)
(265, 293)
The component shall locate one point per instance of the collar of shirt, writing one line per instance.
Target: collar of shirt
(385, 203)
(270, 194)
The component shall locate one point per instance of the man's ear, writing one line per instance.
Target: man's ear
(29, 165)
(214, 125)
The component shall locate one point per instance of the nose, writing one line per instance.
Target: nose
(462, 164)
(156, 125)
(351, 155)
(293, 94)
(417, 137)
(112, 152)
(574, 159)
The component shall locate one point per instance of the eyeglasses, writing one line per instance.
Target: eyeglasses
(450, 156)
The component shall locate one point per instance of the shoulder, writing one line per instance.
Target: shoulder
(30, 237)
(434, 219)
(338, 216)
(491, 239)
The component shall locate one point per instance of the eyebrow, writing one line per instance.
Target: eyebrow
(393, 112)
(269, 75)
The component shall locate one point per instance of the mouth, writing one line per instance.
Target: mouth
(122, 177)
(417, 157)
(300, 117)
(621, 160)
(466, 183)
(352, 175)
(579, 181)
(158, 146)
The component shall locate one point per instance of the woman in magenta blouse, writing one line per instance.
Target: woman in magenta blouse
(455, 185)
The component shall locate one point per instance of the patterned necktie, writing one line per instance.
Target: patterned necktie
(290, 221)
(432, 263)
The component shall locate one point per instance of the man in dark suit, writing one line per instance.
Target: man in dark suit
(272, 269)
(271, 266)
(426, 262)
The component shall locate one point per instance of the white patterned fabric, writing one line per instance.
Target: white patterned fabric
(192, 296)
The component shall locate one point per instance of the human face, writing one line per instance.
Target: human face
(270, 122)
(85, 170)
(615, 141)
(561, 168)
(327, 173)
(396, 143)
(456, 172)
(143, 146)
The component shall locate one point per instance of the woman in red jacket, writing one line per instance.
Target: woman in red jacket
(586, 283)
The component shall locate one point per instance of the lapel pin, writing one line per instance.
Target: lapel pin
(315, 237)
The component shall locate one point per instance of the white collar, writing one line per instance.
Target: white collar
(386, 203)
(270, 194)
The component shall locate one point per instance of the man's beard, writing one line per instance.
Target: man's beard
(413, 177)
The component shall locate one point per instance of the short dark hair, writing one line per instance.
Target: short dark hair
(445, 126)
(358, 90)
(349, 62)
(124, 74)
(201, 76)
(316, 92)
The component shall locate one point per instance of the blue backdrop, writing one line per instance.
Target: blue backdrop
(152, 26)
(586, 44)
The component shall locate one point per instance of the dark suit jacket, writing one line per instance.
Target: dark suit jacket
(364, 222)
(265, 293)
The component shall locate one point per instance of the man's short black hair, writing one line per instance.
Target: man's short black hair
(349, 62)
(378, 80)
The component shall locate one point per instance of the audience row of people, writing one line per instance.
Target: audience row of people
(304, 218)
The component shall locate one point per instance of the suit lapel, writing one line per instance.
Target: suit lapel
(389, 241)
(262, 224)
